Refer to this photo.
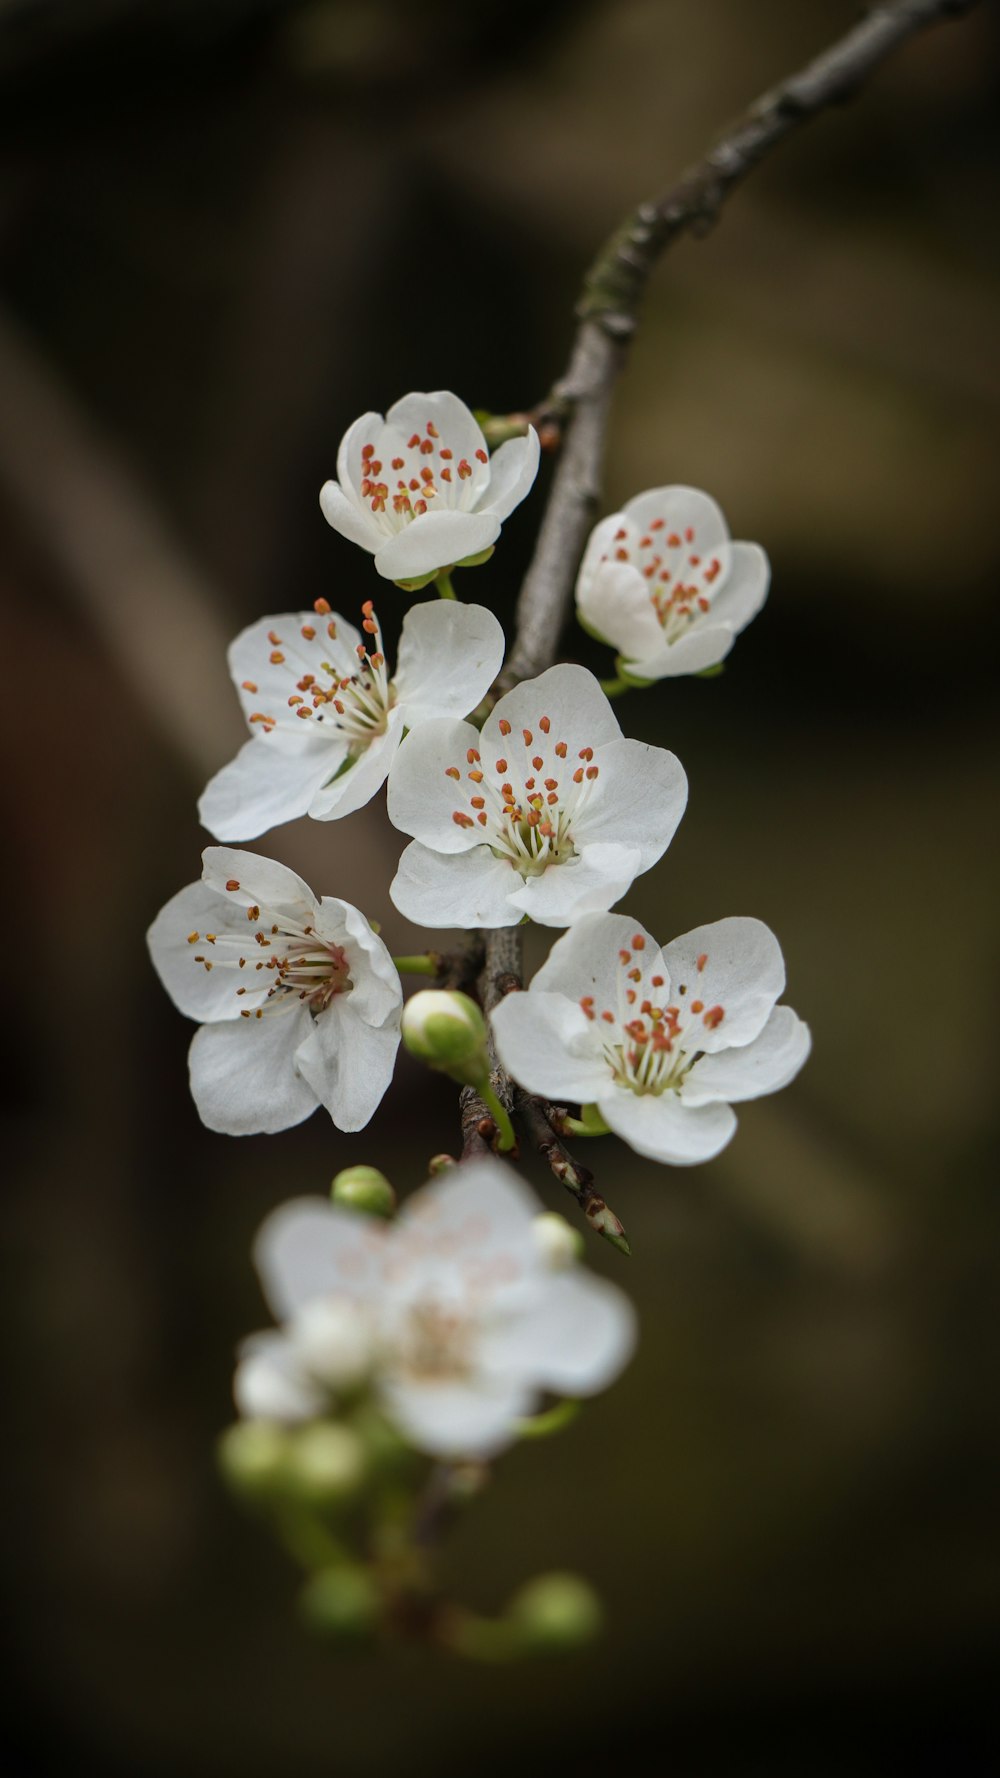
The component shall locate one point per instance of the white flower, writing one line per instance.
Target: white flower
(465, 1320)
(664, 584)
(660, 1041)
(298, 998)
(549, 812)
(419, 489)
(326, 718)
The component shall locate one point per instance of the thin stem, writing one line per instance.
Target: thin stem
(506, 1140)
(422, 963)
(444, 586)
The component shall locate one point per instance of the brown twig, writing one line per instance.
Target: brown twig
(613, 289)
(608, 313)
(536, 1115)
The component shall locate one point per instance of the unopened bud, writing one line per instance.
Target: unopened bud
(441, 1163)
(342, 1602)
(364, 1189)
(559, 1244)
(334, 1341)
(555, 1614)
(326, 1464)
(447, 1030)
(253, 1458)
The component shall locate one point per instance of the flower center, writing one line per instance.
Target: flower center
(423, 474)
(435, 1344)
(345, 689)
(527, 802)
(289, 961)
(650, 1047)
(681, 579)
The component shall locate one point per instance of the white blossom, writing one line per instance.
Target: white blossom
(663, 583)
(299, 1000)
(325, 715)
(420, 491)
(548, 812)
(661, 1042)
(465, 1320)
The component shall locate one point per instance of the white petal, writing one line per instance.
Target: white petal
(377, 994)
(474, 1419)
(763, 1066)
(638, 800)
(422, 798)
(744, 589)
(243, 1075)
(269, 1384)
(513, 469)
(435, 540)
(264, 684)
(578, 711)
(600, 546)
(743, 972)
(204, 994)
(588, 883)
(662, 1127)
(465, 889)
(481, 1209)
(258, 881)
(574, 1340)
(265, 786)
(456, 423)
(680, 508)
(585, 960)
(364, 430)
(449, 656)
(614, 601)
(348, 518)
(698, 648)
(357, 783)
(547, 1043)
(310, 1248)
(348, 1063)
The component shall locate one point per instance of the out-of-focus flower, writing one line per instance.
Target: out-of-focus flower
(661, 1042)
(464, 1320)
(549, 812)
(419, 490)
(325, 716)
(664, 584)
(299, 1000)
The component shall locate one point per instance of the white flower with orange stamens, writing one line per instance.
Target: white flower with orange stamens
(298, 998)
(326, 718)
(662, 582)
(419, 490)
(661, 1042)
(548, 812)
(454, 1312)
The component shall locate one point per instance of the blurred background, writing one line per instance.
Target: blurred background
(226, 228)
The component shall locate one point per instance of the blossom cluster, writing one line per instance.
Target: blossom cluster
(456, 1318)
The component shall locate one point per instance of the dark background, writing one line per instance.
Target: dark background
(226, 228)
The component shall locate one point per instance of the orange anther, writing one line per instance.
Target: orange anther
(701, 961)
(714, 1016)
(233, 883)
(504, 726)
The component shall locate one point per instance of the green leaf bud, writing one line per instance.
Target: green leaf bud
(554, 1614)
(342, 1603)
(365, 1189)
(447, 1031)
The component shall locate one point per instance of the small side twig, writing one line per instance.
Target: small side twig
(502, 969)
(536, 1114)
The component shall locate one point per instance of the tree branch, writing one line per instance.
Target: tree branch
(613, 289)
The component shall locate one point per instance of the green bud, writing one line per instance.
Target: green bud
(447, 1031)
(326, 1464)
(441, 1163)
(343, 1603)
(558, 1242)
(253, 1457)
(554, 1614)
(365, 1189)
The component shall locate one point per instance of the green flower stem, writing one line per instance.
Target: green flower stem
(423, 963)
(576, 1126)
(506, 1139)
(444, 586)
(553, 1420)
